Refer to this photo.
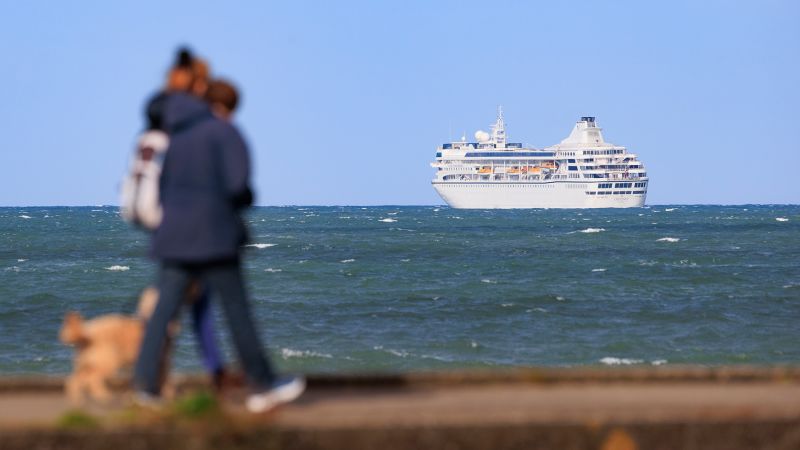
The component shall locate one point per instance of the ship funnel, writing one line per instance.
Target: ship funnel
(586, 132)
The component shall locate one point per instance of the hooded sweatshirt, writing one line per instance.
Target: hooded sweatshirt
(204, 185)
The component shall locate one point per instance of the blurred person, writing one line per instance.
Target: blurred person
(204, 186)
(140, 197)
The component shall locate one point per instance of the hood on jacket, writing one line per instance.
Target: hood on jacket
(182, 110)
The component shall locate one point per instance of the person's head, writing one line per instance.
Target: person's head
(189, 74)
(223, 98)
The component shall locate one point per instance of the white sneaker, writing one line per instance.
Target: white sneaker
(283, 390)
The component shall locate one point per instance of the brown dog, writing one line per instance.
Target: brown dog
(103, 346)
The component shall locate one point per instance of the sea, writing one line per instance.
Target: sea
(425, 288)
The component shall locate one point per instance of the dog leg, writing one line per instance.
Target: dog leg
(98, 387)
(74, 390)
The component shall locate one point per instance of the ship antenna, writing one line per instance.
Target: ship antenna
(499, 128)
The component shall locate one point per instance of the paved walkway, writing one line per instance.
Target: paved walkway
(524, 403)
(476, 404)
(764, 409)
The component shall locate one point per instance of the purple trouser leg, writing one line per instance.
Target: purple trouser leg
(204, 332)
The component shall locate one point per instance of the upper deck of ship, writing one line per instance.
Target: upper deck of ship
(585, 140)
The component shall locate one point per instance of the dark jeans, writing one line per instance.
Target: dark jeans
(224, 279)
(203, 324)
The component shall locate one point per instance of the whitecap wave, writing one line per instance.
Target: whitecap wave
(287, 353)
(388, 220)
(668, 239)
(24, 216)
(782, 219)
(486, 280)
(670, 209)
(271, 270)
(21, 260)
(260, 246)
(116, 268)
(592, 230)
(658, 362)
(347, 261)
(598, 270)
(612, 361)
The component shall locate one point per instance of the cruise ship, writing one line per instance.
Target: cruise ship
(583, 171)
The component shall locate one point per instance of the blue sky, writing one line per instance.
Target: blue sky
(344, 102)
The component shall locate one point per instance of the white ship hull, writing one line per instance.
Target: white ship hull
(531, 195)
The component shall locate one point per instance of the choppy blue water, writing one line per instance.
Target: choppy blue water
(408, 288)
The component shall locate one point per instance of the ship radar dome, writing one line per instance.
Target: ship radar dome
(482, 136)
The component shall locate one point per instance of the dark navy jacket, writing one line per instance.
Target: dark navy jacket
(204, 185)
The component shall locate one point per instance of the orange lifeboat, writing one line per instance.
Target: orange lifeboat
(532, 169)
(549, 164)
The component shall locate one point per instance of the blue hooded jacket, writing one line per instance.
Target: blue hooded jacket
(204, 185)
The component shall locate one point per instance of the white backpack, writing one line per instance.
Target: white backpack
(139, 202)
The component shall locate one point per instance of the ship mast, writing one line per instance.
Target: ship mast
(499, 129)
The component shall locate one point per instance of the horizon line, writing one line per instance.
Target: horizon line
(386, 205)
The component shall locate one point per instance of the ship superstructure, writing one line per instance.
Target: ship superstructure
(582, 171)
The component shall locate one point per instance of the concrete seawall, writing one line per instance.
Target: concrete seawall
(627, 408)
